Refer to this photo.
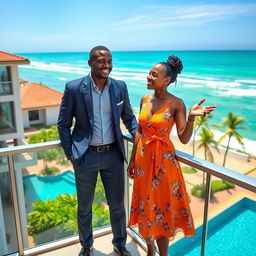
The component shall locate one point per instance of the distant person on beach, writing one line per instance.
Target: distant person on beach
(160, 205)
(95, 144)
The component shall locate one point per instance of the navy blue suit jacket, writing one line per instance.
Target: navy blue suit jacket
(77, 104)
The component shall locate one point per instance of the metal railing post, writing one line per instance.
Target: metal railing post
(15, 204)
(206, 208)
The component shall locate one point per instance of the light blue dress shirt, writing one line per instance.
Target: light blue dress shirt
(103, 127)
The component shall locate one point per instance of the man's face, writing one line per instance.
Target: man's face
(101, 64)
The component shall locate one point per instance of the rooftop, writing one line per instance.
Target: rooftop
(35, 96)
(9, 58)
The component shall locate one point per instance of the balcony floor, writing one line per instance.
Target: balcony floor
(102, 246)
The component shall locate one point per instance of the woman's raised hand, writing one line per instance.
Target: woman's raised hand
(198, 110)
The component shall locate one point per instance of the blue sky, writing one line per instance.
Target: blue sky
(78, 25)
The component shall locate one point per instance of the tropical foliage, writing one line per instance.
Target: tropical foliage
(232, 124)
(62, 212)
(49, 171)
(207, 141)
(216, 185)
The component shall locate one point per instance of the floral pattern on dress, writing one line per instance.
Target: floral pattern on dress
(139, 172)
(155, 182)
(184, 212)
(176, 190)
(167, 115)
(163, 129)
(161, 169)
(168, 206)
(149, 223)
(159, 204)
(159, 217)
(143, 147)
(170, 156)
(141, 208)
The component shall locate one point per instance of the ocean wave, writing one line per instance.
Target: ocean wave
(246, 81)
(56, 67)
(213, 84)
(238, 92)
(141, 75)
(62, 78)
(192, 85)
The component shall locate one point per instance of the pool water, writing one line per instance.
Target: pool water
(231, 233)
(48, 187)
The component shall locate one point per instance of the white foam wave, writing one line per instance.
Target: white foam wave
(246, 81)
(239, 92)
(213, 84)
(62, 78)
(249, 145)
(56, 67)
(192, 85)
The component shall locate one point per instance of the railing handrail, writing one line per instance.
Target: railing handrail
(223, 173)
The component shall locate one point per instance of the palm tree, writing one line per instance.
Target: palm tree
(42, 216)
(207, 141)
(201, 121)
(232, 124)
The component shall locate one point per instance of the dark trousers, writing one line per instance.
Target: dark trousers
(111, 167)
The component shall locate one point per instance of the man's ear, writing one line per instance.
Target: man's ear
(89, 63)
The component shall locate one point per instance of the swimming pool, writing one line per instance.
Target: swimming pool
(231, 233)
(48, 187)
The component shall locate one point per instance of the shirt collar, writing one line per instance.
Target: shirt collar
(94, 86)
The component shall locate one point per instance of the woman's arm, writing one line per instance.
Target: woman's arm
(185, 127)
(130, 168)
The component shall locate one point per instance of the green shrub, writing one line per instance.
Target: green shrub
(216, 185)
(188, 170)
(49, 171)
(199, 191)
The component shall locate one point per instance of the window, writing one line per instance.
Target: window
(5, 81)
(33, 115)
(7, 124)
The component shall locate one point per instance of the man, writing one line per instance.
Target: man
(97, 102)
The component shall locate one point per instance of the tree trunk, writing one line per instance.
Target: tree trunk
(193, 143)
(226, 152)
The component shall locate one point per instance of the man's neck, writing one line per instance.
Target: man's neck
(100, 82)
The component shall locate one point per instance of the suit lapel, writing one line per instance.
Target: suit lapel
(87, 95)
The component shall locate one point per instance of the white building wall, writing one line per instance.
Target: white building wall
(25, 118)
(15, 98)
(52, 115)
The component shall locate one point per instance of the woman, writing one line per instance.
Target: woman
(160, 204)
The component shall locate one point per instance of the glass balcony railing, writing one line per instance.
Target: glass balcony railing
(38, 202)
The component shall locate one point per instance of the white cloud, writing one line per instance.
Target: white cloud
(166, 16)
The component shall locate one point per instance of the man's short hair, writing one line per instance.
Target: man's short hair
(97, 48)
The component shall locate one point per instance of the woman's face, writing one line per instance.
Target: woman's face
(157, 77)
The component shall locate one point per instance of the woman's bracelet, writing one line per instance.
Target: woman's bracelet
(191, 121)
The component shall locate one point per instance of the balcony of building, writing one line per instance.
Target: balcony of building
(21, 186)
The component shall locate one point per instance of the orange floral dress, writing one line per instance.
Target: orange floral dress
(160, 204)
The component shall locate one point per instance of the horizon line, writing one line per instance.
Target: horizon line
(213, 50)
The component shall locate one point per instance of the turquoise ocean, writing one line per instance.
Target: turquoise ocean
(225, 78)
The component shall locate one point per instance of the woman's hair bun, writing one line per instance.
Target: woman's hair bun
(175, 64)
